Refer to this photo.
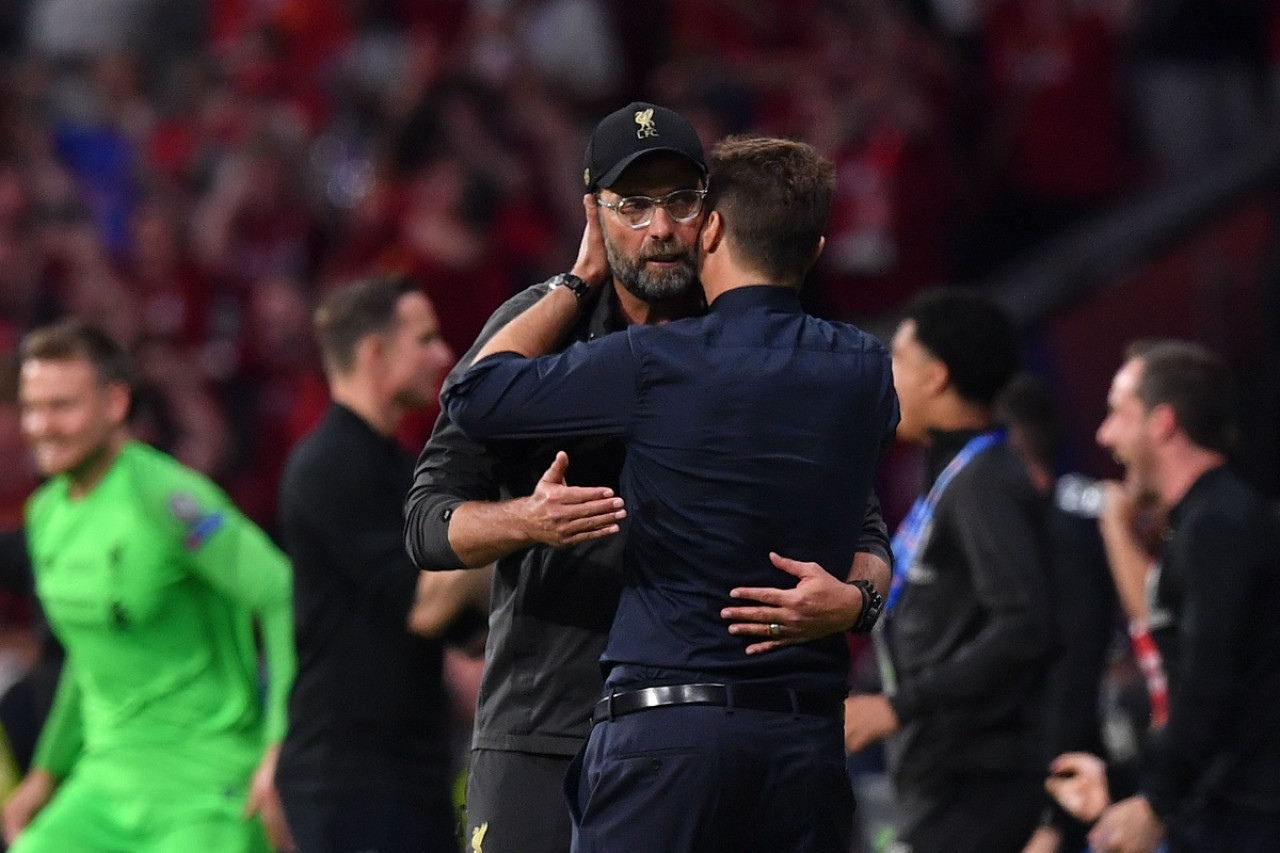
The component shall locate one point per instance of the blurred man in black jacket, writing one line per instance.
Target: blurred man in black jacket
(1086, 613)
(365, 763)
(1210, 777)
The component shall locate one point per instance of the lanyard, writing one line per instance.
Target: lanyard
(914, 529)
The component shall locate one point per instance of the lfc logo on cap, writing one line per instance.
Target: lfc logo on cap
(644, 123)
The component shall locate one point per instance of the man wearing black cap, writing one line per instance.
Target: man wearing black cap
(751, 429)
(558, 573)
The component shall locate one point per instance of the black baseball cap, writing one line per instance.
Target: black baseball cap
(632, 132)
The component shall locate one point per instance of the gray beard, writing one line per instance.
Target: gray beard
(662, 286)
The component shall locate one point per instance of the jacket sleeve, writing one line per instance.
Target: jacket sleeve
(874, 538)
(452, 468)
(589, 389)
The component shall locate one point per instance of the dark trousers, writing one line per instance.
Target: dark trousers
(515, 803)
(370, 822)
(973, 812)
(703, 779)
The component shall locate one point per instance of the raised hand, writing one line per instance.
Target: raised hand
(1078, 781)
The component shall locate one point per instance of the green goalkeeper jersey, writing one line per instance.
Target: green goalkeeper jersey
(152, 582)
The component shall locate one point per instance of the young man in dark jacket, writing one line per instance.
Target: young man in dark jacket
(969, 637)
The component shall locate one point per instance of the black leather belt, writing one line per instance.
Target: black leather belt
(752, 697)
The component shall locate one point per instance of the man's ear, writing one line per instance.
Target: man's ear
(817, 252)
(118, 399)
(369, 348)
(1162, 421)
(712, 232)
(935, 376)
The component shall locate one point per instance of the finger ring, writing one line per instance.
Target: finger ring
(775, 629)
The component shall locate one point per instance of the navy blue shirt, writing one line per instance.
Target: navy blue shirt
(755, 428)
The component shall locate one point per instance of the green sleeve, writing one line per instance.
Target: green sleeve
(236, 558)
(62, 737)
(240, 561)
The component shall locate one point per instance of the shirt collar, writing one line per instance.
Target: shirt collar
(1202, 484)
(352, 420)
(943, 447)
(604, 317)
(755, 296)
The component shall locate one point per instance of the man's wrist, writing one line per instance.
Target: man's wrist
(573, 283)
(872, 605)
(521, 512)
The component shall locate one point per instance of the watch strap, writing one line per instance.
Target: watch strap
(576, 285)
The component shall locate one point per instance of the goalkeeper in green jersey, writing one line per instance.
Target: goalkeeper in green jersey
(159, 740)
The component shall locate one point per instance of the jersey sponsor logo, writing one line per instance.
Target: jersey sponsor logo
(477, 837)
(200, 525)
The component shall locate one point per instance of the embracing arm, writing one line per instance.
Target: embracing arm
(62, 736)
(454, 519)
(589, 389)
(453, 515)
(544, 327)
(820, 603)
(556, 514)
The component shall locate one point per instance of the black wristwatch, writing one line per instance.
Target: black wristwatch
(577, 286)
(872, 605)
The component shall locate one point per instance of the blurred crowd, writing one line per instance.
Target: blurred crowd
(194, 174)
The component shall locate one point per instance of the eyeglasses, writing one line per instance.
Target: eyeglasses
(636, 211)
